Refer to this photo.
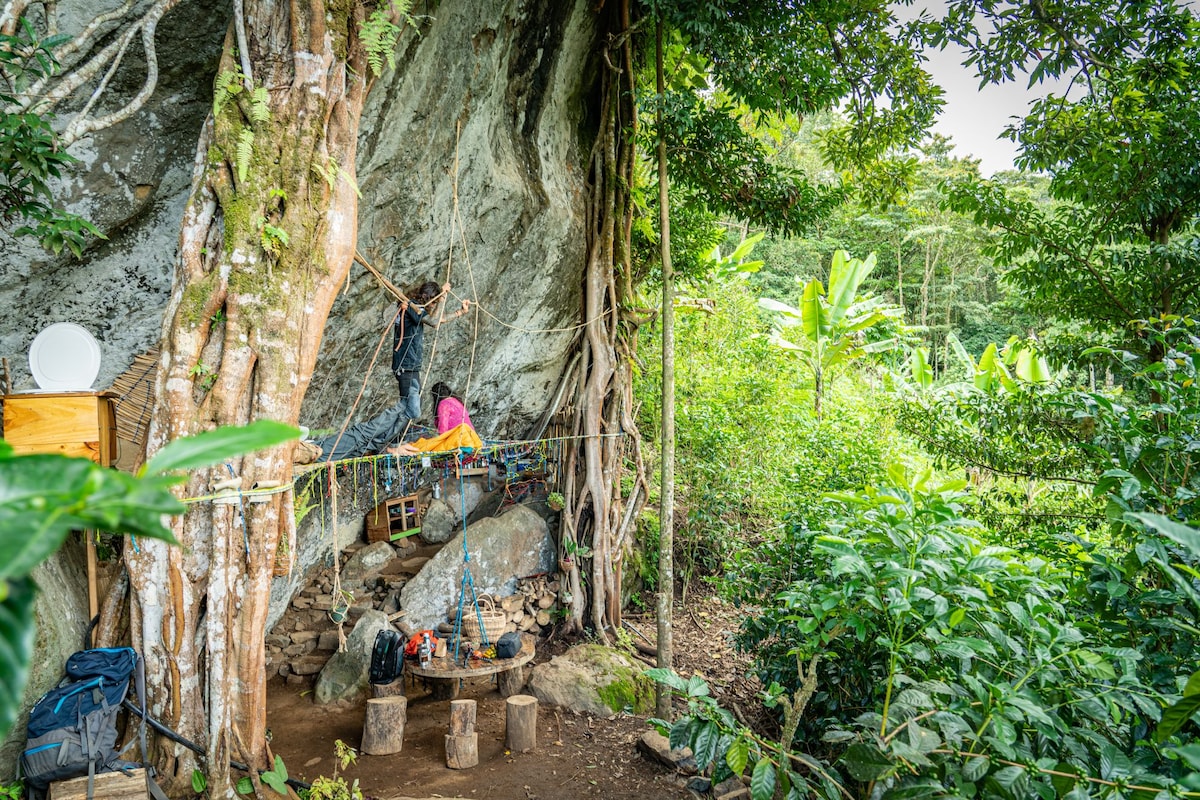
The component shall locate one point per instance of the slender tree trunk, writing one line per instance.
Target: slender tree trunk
(268, 237)
(666, 538)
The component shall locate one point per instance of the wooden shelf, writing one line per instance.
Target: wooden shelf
(394, 519)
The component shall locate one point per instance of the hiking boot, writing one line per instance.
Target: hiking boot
(306, 453)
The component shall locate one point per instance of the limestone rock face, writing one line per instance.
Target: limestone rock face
(472, 167)
(487, 109)
(132, 182)
(502, 549)
(593, 679)
(345, 675)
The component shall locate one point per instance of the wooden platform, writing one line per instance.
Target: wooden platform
(445, 670)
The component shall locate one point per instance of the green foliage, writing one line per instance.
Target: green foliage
(44, 497)
(952, 666)
(29, 153)
(735, 408)
(837, 328)
(199, 781)
(276, 777)
(1120, 244)
(379, 33)
(12, 791)
(334, 787)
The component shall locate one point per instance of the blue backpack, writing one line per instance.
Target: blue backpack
(73, 728)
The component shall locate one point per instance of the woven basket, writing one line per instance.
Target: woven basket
(493, 621)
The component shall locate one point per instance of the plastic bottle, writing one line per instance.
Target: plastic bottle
(425, 651)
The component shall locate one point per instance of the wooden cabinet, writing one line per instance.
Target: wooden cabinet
(394, 519)
(70, 423)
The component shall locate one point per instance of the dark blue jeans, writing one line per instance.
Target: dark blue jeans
(366, 437)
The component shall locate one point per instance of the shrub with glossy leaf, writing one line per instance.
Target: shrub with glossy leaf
(953, 667)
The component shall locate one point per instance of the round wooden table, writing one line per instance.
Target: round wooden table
(446, 674)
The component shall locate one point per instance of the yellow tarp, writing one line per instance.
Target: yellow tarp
(461, 436)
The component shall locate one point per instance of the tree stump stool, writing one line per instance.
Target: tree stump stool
(383, 729)
(520, 724)
(462, 742)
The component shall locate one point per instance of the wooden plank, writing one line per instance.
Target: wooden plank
(51, 419)
(80, 424)
(107, 786)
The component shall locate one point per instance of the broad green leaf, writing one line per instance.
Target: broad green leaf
(975, 767)
(681, 733)
(245, 786)
(781, 308)
(1183, 535)
(762, 780)
(814, 319)
(866, 762)
(199, 781)
(277, 778)
(957, 348)
(1062, 784)
(846, 274)
(704, 744)
(743, 249)
(668, 677)
(16, 646)
(213, 447)
(922, 373)
(697, 687)
(1175, 716)
(44, 497)
(737, 756)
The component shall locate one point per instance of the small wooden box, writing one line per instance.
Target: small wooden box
(70, 423)
(107, 786)
(394, 519)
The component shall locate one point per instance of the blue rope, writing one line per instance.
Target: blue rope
(468, 581)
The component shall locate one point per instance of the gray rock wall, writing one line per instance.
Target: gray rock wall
(489, 101)
(502, 86)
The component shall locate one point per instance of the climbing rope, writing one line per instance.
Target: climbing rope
(468, 581)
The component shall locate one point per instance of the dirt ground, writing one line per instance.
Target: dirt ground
(577, 756)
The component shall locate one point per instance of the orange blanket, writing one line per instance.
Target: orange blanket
(459, 437)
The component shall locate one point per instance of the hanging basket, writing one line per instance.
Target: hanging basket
(493, 621)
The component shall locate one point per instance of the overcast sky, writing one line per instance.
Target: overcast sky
(972, 117)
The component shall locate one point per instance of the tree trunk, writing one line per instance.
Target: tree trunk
(666, 537)
(268, 237)
(596, 511)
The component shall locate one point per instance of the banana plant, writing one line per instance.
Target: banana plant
(992, 372)
(834, 323)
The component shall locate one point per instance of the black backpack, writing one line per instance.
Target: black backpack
(387, 657)
(72, 730)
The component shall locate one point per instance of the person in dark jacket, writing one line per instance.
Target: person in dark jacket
(414, 315)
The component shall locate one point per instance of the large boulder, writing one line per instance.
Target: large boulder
(345, 675)
(368, 562)
(593, 679)
(445, 515)
(502, 550)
